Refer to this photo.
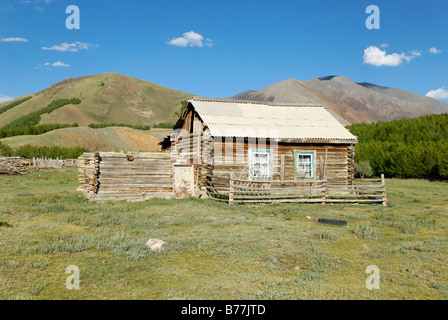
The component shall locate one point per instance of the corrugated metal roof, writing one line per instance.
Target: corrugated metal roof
(227, 118)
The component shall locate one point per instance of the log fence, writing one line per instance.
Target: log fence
(237, 190)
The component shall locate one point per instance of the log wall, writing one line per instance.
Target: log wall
(125, 176)
(336, 160)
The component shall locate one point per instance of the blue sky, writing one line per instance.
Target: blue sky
(220, 48)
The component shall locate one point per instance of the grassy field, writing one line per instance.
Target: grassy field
(217, 251)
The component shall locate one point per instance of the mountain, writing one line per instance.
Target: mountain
(116, 98)
(354, 102)
(108, 98)
(106, 139)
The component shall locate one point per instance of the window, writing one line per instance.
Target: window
(260, 163)
(305, 164)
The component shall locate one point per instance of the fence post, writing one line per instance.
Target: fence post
(231, 188)
(324, 196)
(383, 183)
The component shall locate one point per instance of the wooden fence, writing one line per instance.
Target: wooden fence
(44, 162)
(125, 176)
(239, 190)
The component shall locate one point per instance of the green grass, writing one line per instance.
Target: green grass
(221, 251)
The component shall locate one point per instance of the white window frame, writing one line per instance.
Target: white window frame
(252, 164)
(311, 154)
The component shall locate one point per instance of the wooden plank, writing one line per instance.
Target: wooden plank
(282, 167)
(317, 200)
(134, 174)
(295, 189)
(271, 197)
(138, 185)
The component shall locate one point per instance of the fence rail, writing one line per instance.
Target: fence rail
(235, 190)
(54, 163)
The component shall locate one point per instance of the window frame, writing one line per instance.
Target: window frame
(269, 152)
(311, 153)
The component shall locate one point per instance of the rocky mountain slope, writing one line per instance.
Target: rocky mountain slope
(355, 102)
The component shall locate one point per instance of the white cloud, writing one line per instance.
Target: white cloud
(414, 54)
(434, 50)
(72, 47)
(48, 65)
(384, 45)
(59, 64)
(191, 39)
(180, 42)
(36, 4)
(4, 98)
(377, 57)
(12, 39)
(440, 93)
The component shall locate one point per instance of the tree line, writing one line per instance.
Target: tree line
(33, 118)
(29, 124)
(406, 148)
(164, 125)
(28, 152)
(34, 130)
(105, 125)
(14, 104)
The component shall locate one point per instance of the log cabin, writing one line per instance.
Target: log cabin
(260, 141)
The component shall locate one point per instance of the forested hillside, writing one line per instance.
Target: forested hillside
(406, 148)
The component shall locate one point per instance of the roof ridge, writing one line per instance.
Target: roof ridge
(266, 103)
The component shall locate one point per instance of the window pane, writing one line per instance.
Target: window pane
(260, 164)
(304, 165)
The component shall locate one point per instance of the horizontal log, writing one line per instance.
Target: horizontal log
(137, 185)
(135, 169)
(278, 181)
(317, 200)
(356, 187)
(115, 182)
(139, 155)
(355, 195)
(136, 163)
(292, 189)
(280, 191)
(270, 197)
(130, 173)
